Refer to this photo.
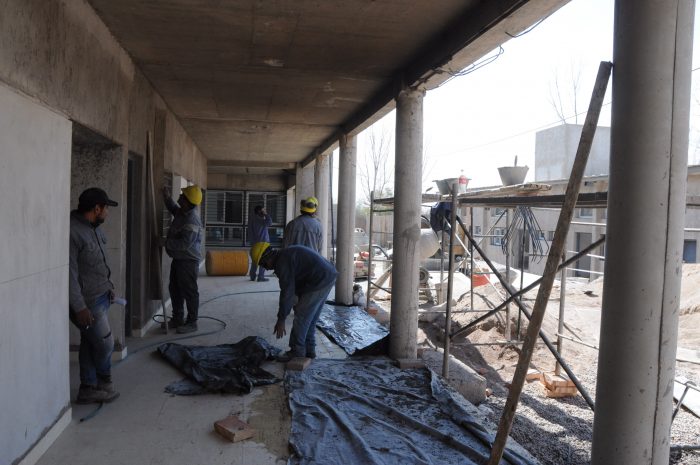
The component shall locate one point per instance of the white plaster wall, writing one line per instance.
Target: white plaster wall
(35, 183)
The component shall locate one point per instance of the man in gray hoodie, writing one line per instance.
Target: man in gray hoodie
(91, 293)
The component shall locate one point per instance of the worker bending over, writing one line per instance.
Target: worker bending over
(307, 275)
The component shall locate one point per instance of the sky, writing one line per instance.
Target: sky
(482, 120)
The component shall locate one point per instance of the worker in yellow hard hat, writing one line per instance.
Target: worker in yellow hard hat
(305, 229)
(305, 279)
(184, 245)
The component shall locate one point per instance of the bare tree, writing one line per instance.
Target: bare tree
(376, 173)
(559, 96)
(429, 163)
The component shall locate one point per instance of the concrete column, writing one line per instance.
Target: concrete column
(407, 210)
(322, 180)
(346, 219)
(299, 188)
(646, 203)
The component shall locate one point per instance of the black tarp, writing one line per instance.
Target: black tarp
(351, 328)
(231, 368)
(367, 411)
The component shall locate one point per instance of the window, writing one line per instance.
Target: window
(228, 213)
(477, 230)
(550, 235)
(498, 234)
(585, 213)
(497, 211)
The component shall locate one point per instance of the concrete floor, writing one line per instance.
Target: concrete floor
(148, 426)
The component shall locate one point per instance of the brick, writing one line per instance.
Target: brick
(410, 363)
(561, 392)
(298, 364)
(533, 375)
(552, 381)
(234, 429)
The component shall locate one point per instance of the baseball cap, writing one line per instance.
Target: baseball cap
(95, 196)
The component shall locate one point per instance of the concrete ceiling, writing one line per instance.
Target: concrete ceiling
(269, 83)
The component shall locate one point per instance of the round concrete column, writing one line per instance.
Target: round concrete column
(345, 241)
(646, 204)
(407, 210)
(322, 181)
(322, 189)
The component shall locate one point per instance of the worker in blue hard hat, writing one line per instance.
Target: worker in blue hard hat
(184, 246)
(303, 274)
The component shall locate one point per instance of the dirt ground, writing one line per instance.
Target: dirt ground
(559, 431)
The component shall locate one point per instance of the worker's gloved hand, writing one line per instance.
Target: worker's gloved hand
(84, 318)
(280, 330)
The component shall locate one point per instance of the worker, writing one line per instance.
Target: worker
(184, 246)
(257, 232)
(305, 229)
(91, 293)
(303, 274)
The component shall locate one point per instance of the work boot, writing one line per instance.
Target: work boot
(287, 356)
(262, 280)
(92, 395)
(174, 323)
(104, 383)
(188, 327)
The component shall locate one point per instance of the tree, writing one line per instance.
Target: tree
(376, 173)
(558, 96)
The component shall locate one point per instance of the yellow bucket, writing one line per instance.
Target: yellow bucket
(227, 262)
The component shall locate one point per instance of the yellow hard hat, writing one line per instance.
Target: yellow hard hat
(257, 251)
(193, 194)
(309, 205)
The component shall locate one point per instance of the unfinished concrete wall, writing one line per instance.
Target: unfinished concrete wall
(182, 157)
(555, 150)
(61, 57)
(62, 54)
(35, 174)
(247, 182)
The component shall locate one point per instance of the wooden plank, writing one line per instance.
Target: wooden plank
(688, 355)
(691, 401)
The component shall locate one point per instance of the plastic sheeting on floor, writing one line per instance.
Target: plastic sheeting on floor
(367, 411)
(232, 368)
(351, 328)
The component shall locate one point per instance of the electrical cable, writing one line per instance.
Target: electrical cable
(157, 318)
